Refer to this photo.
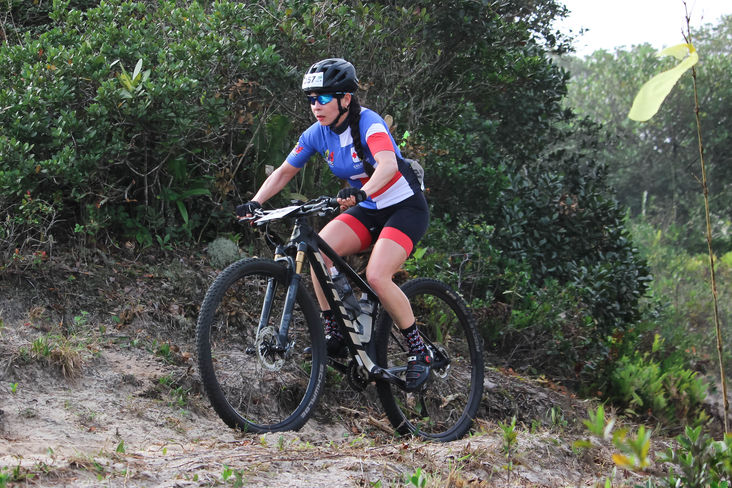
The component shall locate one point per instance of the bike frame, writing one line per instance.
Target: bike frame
(307, 243)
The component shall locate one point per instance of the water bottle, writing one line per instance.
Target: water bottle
(346, 293)
(365, 318)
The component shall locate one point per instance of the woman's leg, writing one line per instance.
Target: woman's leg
(344, 242)
(386, 259)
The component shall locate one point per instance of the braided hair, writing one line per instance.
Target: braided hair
(354, 119)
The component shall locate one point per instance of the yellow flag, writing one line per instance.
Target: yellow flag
(654, 91)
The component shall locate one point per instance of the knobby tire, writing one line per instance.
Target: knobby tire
(445, 410)
(249, 386)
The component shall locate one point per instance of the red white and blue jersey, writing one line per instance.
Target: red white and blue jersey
(339, 153)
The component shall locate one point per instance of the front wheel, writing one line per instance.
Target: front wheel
(445, 409)
(254, 382)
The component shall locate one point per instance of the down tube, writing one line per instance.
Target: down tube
(333, 299)
(343, 266)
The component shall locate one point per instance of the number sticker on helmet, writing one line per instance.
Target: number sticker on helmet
(312, 80)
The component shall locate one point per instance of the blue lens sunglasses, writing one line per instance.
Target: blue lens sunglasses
(324, 98)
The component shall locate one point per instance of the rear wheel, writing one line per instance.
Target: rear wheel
(253, 383)
(444, 410)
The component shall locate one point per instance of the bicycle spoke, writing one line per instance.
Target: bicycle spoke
(252, 382)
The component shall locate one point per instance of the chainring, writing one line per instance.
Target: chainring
(357, 376)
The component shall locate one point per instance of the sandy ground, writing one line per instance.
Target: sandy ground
(105, 407)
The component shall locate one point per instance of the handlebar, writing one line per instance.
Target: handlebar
(324, 205)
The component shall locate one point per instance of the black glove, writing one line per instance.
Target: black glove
(346, 193)
(247, 208)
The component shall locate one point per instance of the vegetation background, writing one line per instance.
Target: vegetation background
(575, 233)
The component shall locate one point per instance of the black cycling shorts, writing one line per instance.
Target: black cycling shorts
(404, 223)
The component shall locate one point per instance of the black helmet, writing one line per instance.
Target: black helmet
(329, 76)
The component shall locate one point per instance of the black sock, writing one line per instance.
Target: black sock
(416, 344)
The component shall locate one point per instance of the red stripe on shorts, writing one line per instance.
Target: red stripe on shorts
(356, 226)
(397, 236)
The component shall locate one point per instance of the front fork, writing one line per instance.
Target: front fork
(294, 277)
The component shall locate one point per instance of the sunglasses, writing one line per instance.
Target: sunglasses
(323, 99)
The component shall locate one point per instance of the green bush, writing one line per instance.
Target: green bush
(699, 461)
(681, 291)
(134, 117)
(34, 17)
(147, 121)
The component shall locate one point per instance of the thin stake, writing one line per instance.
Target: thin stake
(705, 189)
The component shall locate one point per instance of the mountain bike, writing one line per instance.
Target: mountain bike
(261, 347)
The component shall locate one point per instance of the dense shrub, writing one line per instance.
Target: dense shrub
(147, 121)
(18, 17)
(145, 148)
(133, 117)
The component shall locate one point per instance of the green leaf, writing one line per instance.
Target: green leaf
(420, 252)
(183, 210)
(138, 68)
(126, 82)
(654, 91)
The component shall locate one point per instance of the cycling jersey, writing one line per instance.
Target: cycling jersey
(339, 153)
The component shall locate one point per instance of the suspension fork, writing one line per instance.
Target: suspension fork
(294, 277)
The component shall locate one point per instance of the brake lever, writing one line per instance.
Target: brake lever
(252, 221)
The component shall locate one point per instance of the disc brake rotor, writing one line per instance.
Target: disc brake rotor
(266, 345)
(445, 370)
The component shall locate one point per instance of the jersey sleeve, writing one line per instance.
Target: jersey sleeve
(302, 151)
(376, 133)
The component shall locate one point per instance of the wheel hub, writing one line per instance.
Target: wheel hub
(443, 371)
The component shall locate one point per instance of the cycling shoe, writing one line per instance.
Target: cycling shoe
(418, 371)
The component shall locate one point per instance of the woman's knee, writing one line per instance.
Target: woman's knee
(377, 279)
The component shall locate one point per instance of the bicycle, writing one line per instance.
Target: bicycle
(261, 347)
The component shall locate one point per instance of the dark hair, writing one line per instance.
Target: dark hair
(354, 119)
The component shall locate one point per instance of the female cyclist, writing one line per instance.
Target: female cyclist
(385, 204)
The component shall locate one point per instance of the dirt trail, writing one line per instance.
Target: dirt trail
(129, 410)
